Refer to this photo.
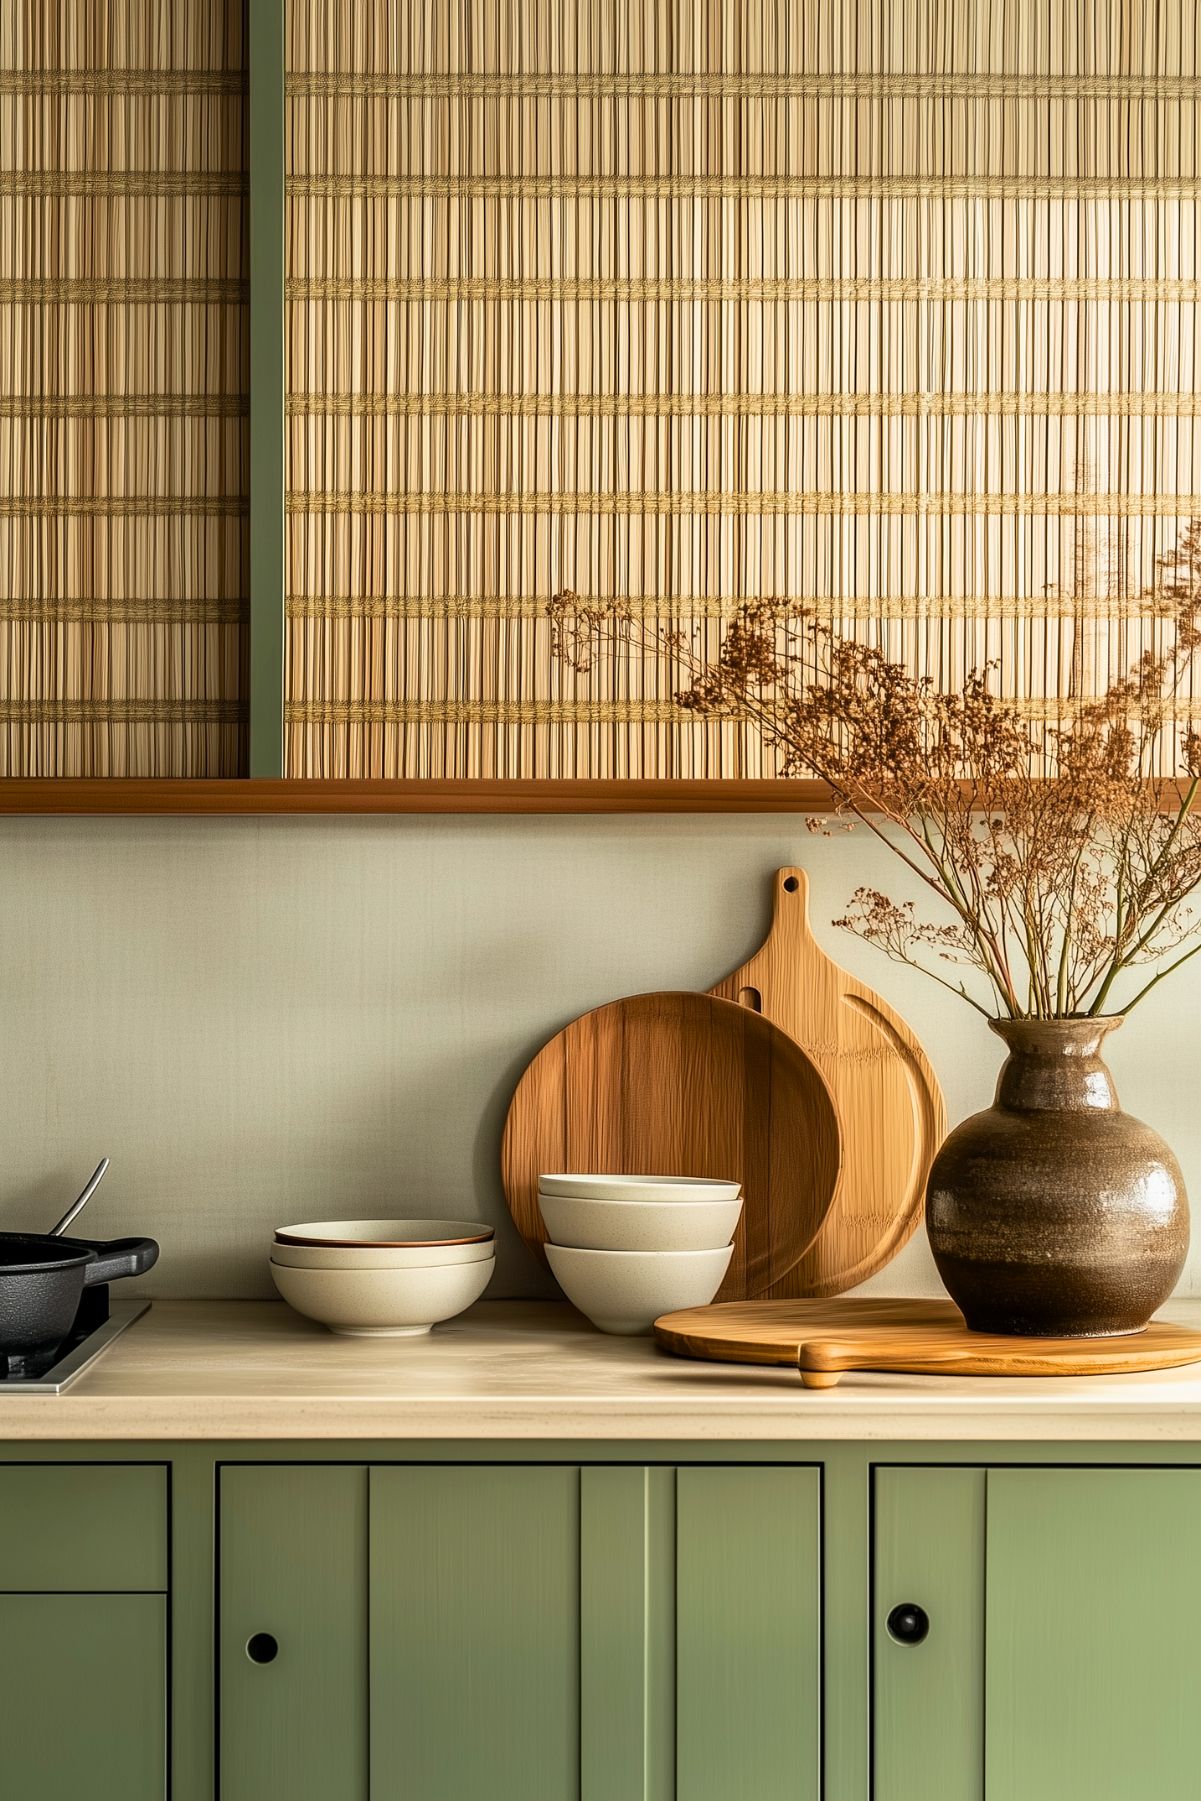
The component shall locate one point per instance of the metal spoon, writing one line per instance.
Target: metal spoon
(77, 1207)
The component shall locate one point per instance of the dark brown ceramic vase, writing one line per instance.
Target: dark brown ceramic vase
(1053, 1213)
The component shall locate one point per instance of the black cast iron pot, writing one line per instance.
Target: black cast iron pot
(42, 1280)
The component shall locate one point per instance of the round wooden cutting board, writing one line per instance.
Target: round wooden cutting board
(682, 1085)
(825, 1338)
(890, 1109)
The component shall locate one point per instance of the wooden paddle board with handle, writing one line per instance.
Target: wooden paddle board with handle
(682, 1085)
(889, 1105)
(823, 1339)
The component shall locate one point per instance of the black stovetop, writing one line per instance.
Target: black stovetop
(98, 1322)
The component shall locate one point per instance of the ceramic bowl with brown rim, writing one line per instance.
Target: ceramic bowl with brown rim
(382, 1243)
(383, 1303)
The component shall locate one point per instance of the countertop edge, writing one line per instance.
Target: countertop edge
(883, 1423)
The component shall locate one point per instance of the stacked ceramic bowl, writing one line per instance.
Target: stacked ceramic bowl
(388, 1278)
(626, 1249)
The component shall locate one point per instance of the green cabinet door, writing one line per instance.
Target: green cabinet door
(1059, 1662)
(928, 1720)
(748, 1634)
(1094, 1595)
(83, 1697)
(292, 1631)
(519, 1633)
(475, 1634)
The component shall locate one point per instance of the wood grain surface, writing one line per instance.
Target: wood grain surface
(157, 795)
(889, 1105)
(682, 1085)
(535, 1372)
(825, 1338)
(303, 795)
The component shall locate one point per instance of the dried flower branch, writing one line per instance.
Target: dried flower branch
(1058, 864)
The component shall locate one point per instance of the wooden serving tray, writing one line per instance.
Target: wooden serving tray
(682, 1085)
(925, 1338)
(890, 1109)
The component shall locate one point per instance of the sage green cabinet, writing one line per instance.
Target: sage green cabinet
(550, 1629)
(83, 1630)
(532, 1632)
(748, 1634)
(293, 1591)
(475, 1633)
(83, 1696)
(74, 1527)
(1060, 1661)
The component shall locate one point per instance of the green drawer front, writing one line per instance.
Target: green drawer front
(71, 1528)
(83, 1681)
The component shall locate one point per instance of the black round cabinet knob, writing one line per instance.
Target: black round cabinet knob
(908, 1623)
(262, 1648)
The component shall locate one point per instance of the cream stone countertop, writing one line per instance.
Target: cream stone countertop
(523, 1370)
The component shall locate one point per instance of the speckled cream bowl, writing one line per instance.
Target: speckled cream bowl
(677, 1225)
(383, 1303)
(638, 1188)
(626, 1291)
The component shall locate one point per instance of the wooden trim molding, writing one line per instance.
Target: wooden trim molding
(62, 797)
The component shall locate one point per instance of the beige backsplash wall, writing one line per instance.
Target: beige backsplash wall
(265, 1020)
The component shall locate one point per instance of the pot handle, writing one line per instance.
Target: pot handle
(120, 1257)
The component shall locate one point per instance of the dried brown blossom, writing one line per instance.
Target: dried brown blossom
(1058, 864)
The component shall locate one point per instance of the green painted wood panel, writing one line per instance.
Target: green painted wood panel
(292, 1560)
(72, 1527)
(475, 1631)
(748, 1634)
(661, 1635)
(627, 1634)
(846, 1614)
(1094, 1598)
(614, 1634)
(191, 1623)
(83, 1697)
(928, 1720)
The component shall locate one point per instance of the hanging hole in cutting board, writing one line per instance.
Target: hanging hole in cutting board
(791, 884)
(750, 997)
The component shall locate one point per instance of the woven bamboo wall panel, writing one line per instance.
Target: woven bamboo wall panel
(123, 389)
(888, 307)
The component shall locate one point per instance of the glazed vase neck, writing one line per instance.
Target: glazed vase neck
(1055, 1065)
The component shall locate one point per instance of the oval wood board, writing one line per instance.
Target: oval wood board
(889, 1105)
(682, 1085)
(928, 1338)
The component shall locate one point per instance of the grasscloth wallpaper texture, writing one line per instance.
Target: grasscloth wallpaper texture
(889, 306)
(123, 378)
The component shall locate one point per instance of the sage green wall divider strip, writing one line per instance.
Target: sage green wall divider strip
(266, 46)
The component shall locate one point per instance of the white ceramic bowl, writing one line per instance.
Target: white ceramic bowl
(683, 1225)
(626, 1291)
(384, 1256)
(639, 1188)
(396, 1234)
(383, 1303)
